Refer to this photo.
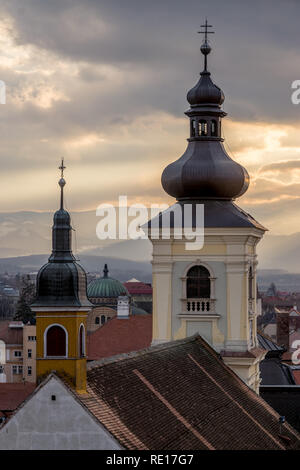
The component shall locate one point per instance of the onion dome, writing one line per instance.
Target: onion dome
(62, 281)
(106, 287)
(205, 170)
(205, 92)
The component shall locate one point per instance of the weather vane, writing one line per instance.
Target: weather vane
(205, 47)
(62, 167)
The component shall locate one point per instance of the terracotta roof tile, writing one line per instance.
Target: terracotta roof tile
(181, 395)
(120, 336)
(138, 288)
(10, 335)
(13, 394)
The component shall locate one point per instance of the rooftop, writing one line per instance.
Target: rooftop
(120, 336)
(181, 395)
(13, 394)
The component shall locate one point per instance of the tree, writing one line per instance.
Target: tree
(23, 311)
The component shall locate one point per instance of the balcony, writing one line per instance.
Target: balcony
(198, 309)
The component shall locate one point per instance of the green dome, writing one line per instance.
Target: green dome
(106, 287)
(138, 311)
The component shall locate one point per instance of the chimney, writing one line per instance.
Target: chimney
(123, 309)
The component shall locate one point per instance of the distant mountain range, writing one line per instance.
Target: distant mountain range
(24, 235)
(121, 269)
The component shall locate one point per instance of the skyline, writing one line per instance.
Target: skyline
(113, 105)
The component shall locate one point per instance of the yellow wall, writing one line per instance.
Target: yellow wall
(74, 366)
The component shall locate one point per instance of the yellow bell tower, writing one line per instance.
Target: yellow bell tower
(62, 306)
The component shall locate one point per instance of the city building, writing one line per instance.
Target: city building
(17, 352)
(104, 293)
(141, 293)
(177, 395)
(195, 387)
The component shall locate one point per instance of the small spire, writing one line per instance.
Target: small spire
(205, 47)
(62, 183)
(105, 271)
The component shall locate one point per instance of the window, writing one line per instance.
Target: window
(29, 370)
(198, 283)
(17, 370)
(202, 128)
(29, 353)
(18, 353)
(1, 370)
(81, 341)
(56, 342)
(102, 319)
(193, 128)
(214, 128)
(97, 321)
(31, 338)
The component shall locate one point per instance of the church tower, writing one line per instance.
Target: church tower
(61, 306)
(210, 290)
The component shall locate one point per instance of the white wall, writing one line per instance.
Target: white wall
(43, 424)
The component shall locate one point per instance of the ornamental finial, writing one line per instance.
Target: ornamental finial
(105, 271)
(205, 47)
(62, 183)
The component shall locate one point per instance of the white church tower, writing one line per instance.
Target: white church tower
(210, 290)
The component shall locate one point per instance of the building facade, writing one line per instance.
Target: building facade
(17, 352)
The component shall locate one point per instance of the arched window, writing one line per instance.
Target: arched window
(202, 128)
(198, 283)
(102, 319)
(81, 341)
(56, 341)
(214, 128)
(97, 321)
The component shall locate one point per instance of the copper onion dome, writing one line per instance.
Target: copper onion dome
(205, 170)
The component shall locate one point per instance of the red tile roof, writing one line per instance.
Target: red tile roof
(181, 395)
(120, 336)
(13, 394)
(138, 288)
(10, 335)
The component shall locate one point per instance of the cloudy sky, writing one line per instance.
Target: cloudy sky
(104, 82)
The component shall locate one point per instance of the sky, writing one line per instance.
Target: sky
(103, 83)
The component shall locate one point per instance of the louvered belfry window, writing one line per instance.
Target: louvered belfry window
(198, 283)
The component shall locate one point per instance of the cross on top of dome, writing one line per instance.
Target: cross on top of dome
(205, 47)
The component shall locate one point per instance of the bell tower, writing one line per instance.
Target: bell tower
(61, 305)
(211, 289)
